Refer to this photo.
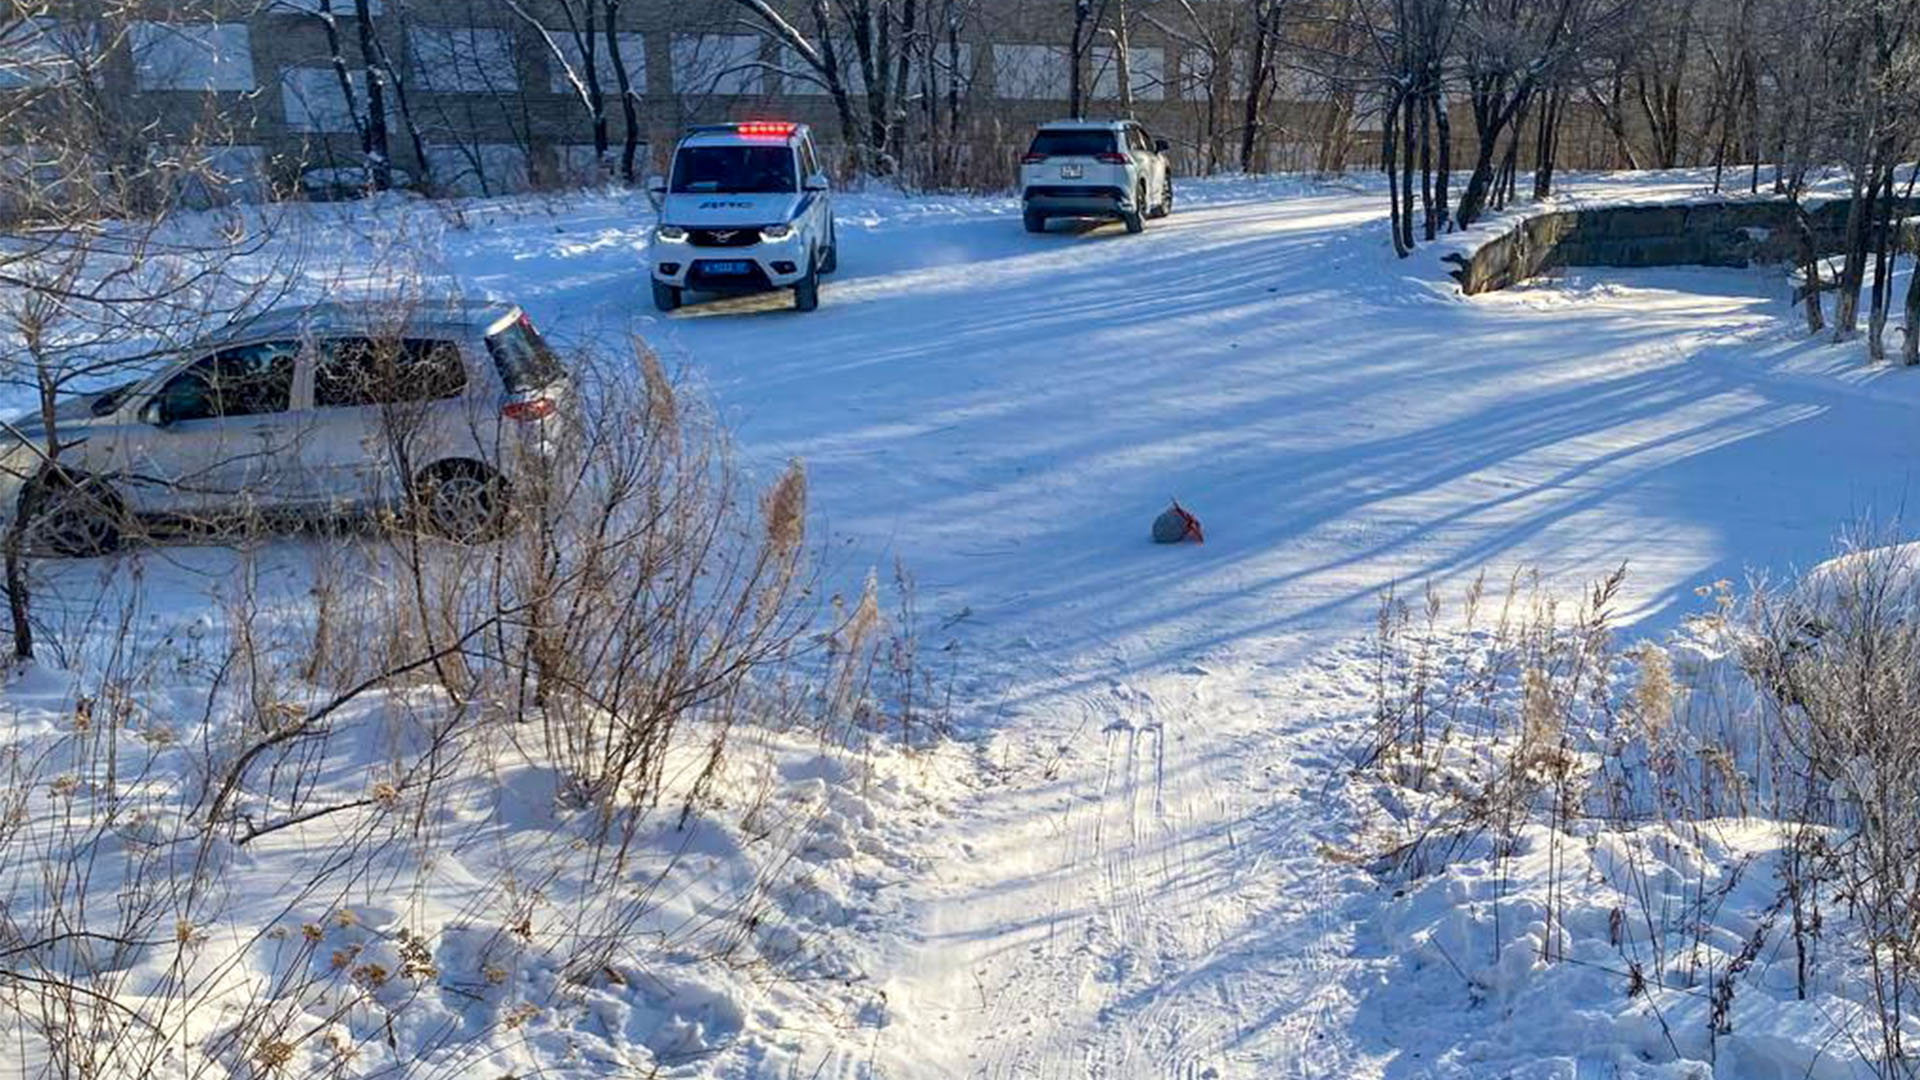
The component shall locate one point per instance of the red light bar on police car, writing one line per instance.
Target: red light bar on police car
(778, 129)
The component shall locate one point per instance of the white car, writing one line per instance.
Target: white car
(316, 411)
(746, 207)
(1095, 168)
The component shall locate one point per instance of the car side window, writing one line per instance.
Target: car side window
(363, 371)
(809, 167)
(247, 380)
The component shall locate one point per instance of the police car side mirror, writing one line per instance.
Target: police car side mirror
(656, 189)
(817, 182)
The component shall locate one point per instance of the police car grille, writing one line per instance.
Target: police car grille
(741, 237)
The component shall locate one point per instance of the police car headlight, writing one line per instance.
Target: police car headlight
(776, 232)
(672, 234)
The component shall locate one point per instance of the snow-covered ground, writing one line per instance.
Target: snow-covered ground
(1136, 872)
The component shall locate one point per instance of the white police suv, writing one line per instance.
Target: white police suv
(746, 207)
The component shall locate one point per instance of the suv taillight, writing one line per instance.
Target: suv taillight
(536, 409)
(1032, 157)
(1110, 158)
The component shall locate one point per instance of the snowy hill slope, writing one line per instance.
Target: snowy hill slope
(1142, 878)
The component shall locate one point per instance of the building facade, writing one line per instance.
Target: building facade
(485, 96)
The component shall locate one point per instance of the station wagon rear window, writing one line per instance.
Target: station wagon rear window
(1072, 143)
(522, 358)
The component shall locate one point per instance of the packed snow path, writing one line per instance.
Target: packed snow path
(1142, 890)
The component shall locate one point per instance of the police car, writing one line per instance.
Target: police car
(746, 207)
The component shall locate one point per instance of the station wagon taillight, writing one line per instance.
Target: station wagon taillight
(536, 409)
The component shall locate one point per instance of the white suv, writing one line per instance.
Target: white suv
(745, 208)
(1095, 168)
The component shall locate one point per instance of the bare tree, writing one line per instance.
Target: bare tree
(95, 284)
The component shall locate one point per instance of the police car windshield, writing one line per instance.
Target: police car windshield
(734, 170)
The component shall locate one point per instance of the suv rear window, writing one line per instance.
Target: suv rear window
(734, 170)
(1072, 143)
(524, 361)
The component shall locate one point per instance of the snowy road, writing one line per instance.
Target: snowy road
(1142, 890)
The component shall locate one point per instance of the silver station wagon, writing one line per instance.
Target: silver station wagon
(316, 411)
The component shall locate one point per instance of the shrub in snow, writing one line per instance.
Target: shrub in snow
(1685, 858)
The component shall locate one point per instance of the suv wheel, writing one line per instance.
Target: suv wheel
(806, 291)
(1034, 220)
(1165, 207)
(73, 520)
(665, 297)
(463, 501)
(1136, 218)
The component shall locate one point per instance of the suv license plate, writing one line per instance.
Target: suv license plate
(728, 268)
(1070, 172)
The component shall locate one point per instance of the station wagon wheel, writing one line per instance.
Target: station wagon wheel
(463, 501)
(72, 520)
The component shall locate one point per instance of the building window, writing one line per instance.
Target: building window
(478, 169)
(633, 54)
(192, 56)
(41, 52)
(343, 9)
(463, 60)
(212, 176)
(314, 101)
(1030, 72)
(802, 79)
(581, 164)
(1198, 80)
(716, 64)
(945, 68)
(1148, 74)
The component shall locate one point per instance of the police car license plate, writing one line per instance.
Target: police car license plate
(729, 268)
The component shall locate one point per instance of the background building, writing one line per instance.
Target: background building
(483, 96)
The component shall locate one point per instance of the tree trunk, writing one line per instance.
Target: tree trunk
(1442, 182)
(1910, 349)
(1883, 237)
(1548, 147)
(1853, 272)
(1410, 111)
(1076, 60)
(19, 601)
(1388, 163)
(1259, 65)
(1490, 114)
(628, 111)
(338, 60)
(596, 98)
(1810, 269)
(379, 157)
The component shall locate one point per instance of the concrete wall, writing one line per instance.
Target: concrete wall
(1733, 233)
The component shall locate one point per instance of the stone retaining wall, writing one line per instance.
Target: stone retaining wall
(1736, 234)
